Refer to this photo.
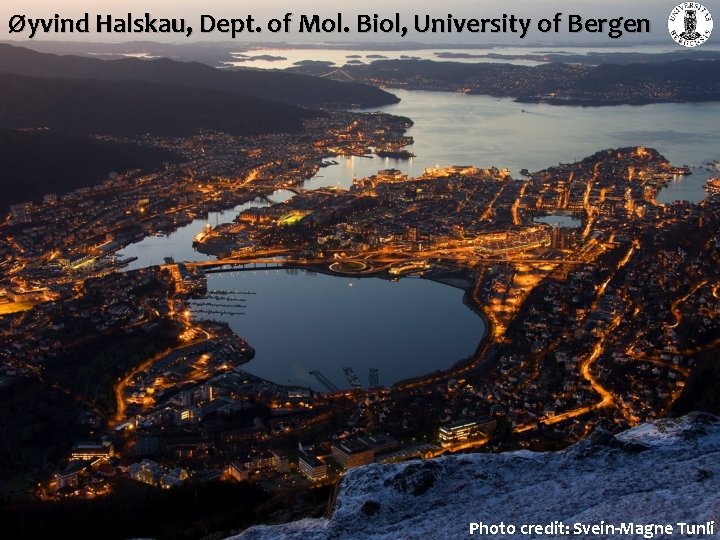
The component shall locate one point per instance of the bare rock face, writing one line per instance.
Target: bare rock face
(416, 478)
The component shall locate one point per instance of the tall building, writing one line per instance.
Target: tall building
(91, 451)
(312, 468)
(352, 453)
(463, 430)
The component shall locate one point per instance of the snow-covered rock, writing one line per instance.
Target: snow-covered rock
(660, 474)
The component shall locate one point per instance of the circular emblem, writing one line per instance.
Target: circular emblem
(690, 24)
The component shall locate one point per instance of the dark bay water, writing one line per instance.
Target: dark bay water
(299, 322)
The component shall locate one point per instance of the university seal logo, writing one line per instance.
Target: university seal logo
(690, 24)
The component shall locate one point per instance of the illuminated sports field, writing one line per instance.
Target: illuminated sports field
(292, 218)
(15, 307)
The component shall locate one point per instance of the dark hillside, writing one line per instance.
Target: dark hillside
(284, 87)
(35, 163)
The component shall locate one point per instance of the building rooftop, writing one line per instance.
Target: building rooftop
(310, 460)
